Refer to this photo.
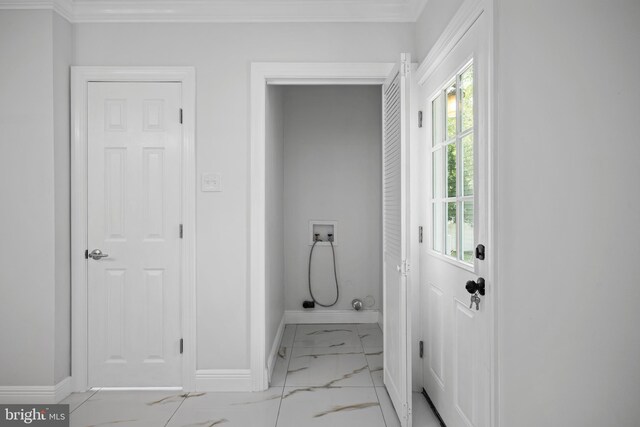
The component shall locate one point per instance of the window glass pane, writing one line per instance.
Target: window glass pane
(468, 244)
(467, 165)
(436, 167)
(437, 120)
(452, 229)
(466, 92)
(451, 170)
(451, 94)
(438, 226)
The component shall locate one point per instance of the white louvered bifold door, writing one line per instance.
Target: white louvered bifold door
(397, 364)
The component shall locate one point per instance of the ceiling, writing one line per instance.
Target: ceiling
(227, 10)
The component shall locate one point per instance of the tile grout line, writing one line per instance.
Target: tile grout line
(174, 412)
(286, 373)
(85, 401)
(375, 389)
(384, 419)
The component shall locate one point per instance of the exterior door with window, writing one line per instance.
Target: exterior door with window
(456, 327)
(134, 198)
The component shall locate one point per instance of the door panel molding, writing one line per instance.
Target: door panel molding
(80, 78)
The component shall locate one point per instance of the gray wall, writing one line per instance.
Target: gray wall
(332, 171)
(432, 21)
(569, 167)
(35, 47)
(222, 54)
(274, 212)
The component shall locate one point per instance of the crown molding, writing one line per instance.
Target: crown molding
(230, 11)
(63, 7)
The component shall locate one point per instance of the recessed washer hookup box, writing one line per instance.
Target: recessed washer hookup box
(34, 415)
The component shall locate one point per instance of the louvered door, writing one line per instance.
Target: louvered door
(397, 363)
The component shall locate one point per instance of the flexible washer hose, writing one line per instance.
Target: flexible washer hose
(335, 275)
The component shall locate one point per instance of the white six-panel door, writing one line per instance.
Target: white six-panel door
(457, 336)
(397, 360)
(134, 153)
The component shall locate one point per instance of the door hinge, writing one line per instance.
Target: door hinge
(421, 349)
(181, 345)
(406, 267)
(181, 231)
(86, 254)
(419, 119)
(420, 234)
(181, 116)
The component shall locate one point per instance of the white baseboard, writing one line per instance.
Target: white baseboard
(223, 380)
(330, 316)
(273, 355)
(36, 394)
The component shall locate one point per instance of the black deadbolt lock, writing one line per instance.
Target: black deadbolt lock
(480, 252)
(473, 286)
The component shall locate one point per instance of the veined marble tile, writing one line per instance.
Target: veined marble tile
(74, 400)
(370, 337)
(282, 364)
(332, 366)
(423, 416)
(258, 409)
(288, 335)
(368, 327)
(375, 361)
(331, 335)
(390, 416)
(335, 407)
(127, 408)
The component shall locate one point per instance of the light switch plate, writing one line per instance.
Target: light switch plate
(211, 182)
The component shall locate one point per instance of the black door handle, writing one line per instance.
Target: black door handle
(473, 286)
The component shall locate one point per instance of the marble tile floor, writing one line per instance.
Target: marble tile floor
(325, 375)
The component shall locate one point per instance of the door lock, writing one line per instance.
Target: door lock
(97, 254)
(473, 286)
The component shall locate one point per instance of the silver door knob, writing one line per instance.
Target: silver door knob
(97, 254)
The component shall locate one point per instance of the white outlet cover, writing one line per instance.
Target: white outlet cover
(211, 182)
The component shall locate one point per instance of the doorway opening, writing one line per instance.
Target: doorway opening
(312, 333)
(324, 223)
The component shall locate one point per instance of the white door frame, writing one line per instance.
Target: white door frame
(80, 78)
(281, 73)
(461, 22)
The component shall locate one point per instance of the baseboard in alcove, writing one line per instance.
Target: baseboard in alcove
(315, 316)
(271, 361)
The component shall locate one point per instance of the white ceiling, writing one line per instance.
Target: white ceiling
(227, 10)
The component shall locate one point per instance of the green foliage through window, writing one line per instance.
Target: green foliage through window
(453, 168)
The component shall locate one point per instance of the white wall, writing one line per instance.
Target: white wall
(569, 211)
(62, 58)
(432, 21)
(35, 48)
(332, 161)
(274, 139)
(222, 54)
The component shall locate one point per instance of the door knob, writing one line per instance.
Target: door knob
(473, 286)
(97, 254)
